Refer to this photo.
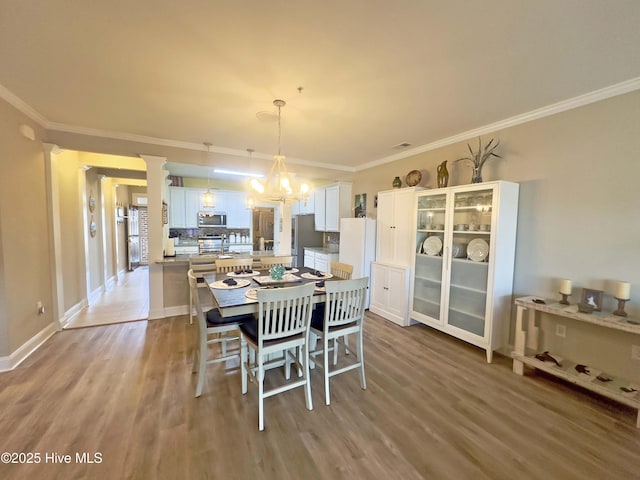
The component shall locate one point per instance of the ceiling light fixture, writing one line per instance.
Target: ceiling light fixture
(208, 198)
(278, 186)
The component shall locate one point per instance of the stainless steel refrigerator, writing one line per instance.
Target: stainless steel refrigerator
(358, 246)
(303, 234)
(133, 236)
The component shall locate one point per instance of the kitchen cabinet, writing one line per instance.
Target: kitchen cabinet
(192, 204)
(319, 196)
(176, 207)
(390, 292)
(331, 203)
(463, 250)
(394, 240)
(184, 205)
(238, 215)
(304, 207)
(319, 260)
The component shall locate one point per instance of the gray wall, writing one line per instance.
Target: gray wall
(24, 234)
(578, 210)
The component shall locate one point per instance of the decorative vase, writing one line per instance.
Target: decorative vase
(477, 175)
(276, 272)
(443, 175)
(397, 183)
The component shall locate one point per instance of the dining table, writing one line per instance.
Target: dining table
(232, 300)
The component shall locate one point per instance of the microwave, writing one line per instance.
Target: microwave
(208, 219)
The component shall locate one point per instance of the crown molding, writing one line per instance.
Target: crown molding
(564, 105)
(22, 106)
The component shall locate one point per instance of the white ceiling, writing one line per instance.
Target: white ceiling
(374, 73)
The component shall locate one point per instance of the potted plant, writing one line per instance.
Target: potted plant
(479, 157)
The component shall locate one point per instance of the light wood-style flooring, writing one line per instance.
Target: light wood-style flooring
(433, 409)
(125, 301)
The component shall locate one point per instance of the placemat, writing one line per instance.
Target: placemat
(253, 273)
(241, 283)
(286, 278)
(311, 276)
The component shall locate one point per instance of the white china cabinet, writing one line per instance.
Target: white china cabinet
(463, 261)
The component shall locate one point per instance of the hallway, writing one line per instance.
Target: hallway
(127, 301)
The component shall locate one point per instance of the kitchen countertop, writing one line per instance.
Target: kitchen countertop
(183, 259)
(323, 250)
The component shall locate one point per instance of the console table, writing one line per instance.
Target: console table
(610, 389)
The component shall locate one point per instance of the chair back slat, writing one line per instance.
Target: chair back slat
(284, 312)
(345, 301)
(341, 270)
(284, 260)
(225, 265)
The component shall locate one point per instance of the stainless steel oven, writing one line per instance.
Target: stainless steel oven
(212, 244)
(208, 219)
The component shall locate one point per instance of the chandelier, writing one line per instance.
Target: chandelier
(278, 186)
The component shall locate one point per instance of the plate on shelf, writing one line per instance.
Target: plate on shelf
(413, 178)
(477, 250)
(458, 250)
(432, 245)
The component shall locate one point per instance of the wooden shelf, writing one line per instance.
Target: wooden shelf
(568, 372)
(604, 319)
(521, 356)
(470, 289)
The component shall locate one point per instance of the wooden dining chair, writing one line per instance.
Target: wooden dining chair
(284, 260)
(226, 265)
(212, 329)
(343, 315)
(341, 270)
(284, 316)
(200, 266)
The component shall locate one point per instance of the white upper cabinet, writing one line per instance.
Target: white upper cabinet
(176, 207)
(193, 204)
(396, 225)
(238, 216)
(332, 203)
(319, 195)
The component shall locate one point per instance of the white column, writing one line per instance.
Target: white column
(155, 188)
(51, 160)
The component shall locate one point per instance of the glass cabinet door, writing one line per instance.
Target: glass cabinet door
(469, 250)
(428, 271)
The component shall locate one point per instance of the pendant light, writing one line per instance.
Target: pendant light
(208, 198)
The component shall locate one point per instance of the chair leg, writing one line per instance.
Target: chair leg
(260, 392)
(325, 347)
(307, 386)
(287, 365)
(346, 344)
(190, 308)
(363, 382)
(243, 364)
(196, 359)
(202, 367)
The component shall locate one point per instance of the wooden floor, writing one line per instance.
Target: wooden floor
(126, 300)
(433, 409)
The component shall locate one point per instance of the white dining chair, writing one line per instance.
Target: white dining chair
(226, 265)
(200, 266)
(342, 315)
(212, 329)
(341, 270)
(284, 316)
(284, 260)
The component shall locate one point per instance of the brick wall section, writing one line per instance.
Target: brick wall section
(143, 221)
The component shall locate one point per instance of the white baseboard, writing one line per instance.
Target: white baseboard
(175, 311)
(73, 312)
(94, 296)
(111, 282)
(12, 361)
